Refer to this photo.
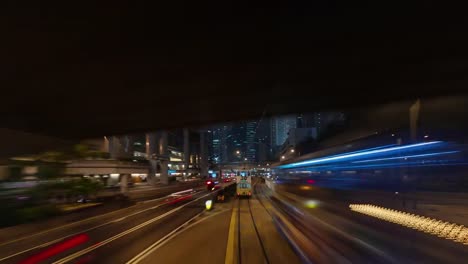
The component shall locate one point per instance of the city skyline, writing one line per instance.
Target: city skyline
(261, 140)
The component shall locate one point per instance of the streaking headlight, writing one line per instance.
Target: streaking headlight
(208, 204)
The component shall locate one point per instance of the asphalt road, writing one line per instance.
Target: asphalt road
(171, 230)
(110, 204)
(217, 236)
(267, 228)
(148, 216)
(344, 236)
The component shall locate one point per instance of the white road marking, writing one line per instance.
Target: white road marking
(80, 221)
(53, 241)
(79, 232)
(107, 241)
(161, 242)
(63, 226)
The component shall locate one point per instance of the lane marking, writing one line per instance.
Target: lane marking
(51, 242)
(120, 219)
(152, 200)
(83, 231)
(107, 241)
(81, 221)
(63, 226)
(174, 233)
(148, 250)
(231, 237)
(181, 192)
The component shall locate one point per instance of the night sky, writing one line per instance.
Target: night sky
(78, 69)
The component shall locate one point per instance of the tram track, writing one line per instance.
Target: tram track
(244, 207)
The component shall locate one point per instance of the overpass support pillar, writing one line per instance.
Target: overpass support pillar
(203, 157)
(186, 151)
(163, 157)
(124, 183)
(150, 152)
(114, 147)
(151, 178)
(120, 146)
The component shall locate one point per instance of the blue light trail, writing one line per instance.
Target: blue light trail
(410, 156)
(366, 152)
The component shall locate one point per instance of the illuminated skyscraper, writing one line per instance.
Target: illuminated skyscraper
(250, 141)
(280, 128)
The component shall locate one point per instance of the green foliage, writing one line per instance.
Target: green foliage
(98, 154)
(15, 172)
(81, 150)
(85, 187)
(49, 171)
(52, 156)
(69, 189)
(37, 212)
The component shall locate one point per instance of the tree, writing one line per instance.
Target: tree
(81, 151)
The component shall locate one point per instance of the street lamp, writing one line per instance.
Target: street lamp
(282, 157)
(237, 152)
(245, 159)
(292, 150)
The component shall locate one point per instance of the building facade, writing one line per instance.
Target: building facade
(280, 128)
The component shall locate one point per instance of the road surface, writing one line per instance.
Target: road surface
(267, 228)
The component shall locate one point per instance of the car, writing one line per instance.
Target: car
(212, 185)
(220, 196)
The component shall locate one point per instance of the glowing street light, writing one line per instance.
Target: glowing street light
(237, 152)
(282, 157)
(245, 158)
(292, 150)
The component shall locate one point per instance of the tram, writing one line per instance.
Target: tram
(244, 186)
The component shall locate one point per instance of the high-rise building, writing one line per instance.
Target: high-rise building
(262, 152)
(325, 120)
(281, 126)
(250, 141)
(217, 137)
(261, 140)
(273, 135)
(263, 131)
(236, 142)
